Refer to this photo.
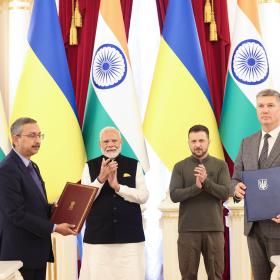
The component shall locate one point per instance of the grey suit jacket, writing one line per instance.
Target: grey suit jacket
(247, 159)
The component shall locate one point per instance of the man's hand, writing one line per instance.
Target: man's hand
(200, 174)
(197, 182)
(107, 166)
(113, 180)
(239, 190)
(276, 219)
(65, 229)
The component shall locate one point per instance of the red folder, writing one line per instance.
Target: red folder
(74, 205)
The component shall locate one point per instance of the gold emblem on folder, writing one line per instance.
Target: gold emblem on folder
(71, 205)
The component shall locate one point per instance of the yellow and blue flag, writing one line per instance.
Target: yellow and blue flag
(45, 93)
(4, 139)
(180, 95)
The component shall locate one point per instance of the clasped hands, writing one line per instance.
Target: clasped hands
(200, 174)
(108, 172)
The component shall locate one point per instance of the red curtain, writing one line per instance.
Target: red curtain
(215, 54)
(161, 8)
(79, 57)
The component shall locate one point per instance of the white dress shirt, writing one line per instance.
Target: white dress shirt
(139, 194)
(271, 140)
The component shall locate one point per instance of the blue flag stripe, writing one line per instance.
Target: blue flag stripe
(180, 13)
(53, 57)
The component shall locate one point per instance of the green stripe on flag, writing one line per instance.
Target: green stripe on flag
(2, 155)
(95, 119)
(238, 119)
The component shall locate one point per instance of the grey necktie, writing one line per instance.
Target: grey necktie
(36, 178)
(264, 152)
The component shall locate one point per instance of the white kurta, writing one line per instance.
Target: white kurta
(116, 261)
(113, 262)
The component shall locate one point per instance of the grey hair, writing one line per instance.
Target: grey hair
(269, 92)
(16, 127)
(108, 128)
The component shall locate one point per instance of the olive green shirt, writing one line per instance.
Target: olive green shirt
(200, 209)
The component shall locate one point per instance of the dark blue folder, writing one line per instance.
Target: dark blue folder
(262, 199)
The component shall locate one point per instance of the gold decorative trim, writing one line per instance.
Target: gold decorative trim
(55, 258)
(19, 8)
(20, 5)
(49, 271)
(21, 1)
(268, 1)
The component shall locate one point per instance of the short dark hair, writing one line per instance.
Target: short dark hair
(198, 128)
(269, 92)
(16, 127)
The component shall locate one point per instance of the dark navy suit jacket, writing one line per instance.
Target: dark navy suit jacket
(25, 229)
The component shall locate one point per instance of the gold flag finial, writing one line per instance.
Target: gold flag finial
(213, 25)
(73, 36)
(78, 17)
(207, 11)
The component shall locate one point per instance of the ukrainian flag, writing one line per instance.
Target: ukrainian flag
(4, 139)
(180, 96)
(45, 93)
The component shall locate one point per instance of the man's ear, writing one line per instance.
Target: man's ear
(14, 140)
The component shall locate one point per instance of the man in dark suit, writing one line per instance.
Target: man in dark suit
(261, 150)
(25, 229)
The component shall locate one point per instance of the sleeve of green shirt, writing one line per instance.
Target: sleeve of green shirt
(221, 188)
(178, 189)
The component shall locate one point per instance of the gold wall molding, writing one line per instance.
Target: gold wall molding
(268, 1)
(20, 4)
(24, 1)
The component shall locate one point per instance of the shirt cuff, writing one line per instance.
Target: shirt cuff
(236, 199)
(96, 184)
(122, 189)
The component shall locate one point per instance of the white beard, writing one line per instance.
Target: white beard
(111, 154)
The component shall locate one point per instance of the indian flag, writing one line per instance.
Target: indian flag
(248, 74)
(4, 140)
(111, 99)
(269, 18)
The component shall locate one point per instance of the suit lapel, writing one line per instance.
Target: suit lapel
(275, 152)
(28, 178)
(40, 177)
(34, 186)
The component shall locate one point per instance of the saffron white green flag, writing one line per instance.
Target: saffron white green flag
(111, 99)
(248, 73)
(270, 18)
(4, 139)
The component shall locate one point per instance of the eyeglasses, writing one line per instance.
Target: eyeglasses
(33, 135)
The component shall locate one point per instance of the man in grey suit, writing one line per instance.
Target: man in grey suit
(261, 150)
